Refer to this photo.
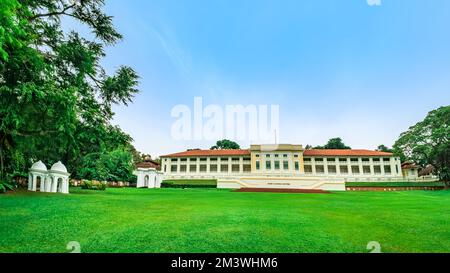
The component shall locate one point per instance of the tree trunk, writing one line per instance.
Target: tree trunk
(2, 167)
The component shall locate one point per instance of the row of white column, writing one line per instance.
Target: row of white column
(393, 163)
(48, 183)
(197, 162)
(394, 166)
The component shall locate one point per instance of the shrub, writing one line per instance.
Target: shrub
(5, 186)
(8, 183)
(93, 185)
(116, 165)
(394, 184)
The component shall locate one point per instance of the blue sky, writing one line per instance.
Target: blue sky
(335, 68)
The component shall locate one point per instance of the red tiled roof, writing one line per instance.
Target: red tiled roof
(209, 153)
(409, 165)
(338, 152)
(427, 170)
(317, 152)
(149, 164)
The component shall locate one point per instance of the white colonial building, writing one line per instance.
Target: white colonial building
(54, 180)
(283, 166)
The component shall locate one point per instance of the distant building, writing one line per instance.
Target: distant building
(282, 166)
(148, 174)
(410, 170)
(149, 163)
(427, 171)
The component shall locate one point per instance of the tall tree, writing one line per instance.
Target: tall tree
(56, 98)
(428, 142)
(384, 148)
(226, 144)
(334, 143)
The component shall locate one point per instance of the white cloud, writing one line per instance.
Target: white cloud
(374, 2)
(168, 40)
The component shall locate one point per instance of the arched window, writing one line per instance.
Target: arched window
(39, 183)
(59, 184)
(146, 179)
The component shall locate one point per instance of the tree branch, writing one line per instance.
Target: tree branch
(96, 81)
(55, 13)
(34, 133)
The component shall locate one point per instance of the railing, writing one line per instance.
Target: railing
(347, 178)
(391, 179)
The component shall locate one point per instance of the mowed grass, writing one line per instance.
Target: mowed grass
(212, 220)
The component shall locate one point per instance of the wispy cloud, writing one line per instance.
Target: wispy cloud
(169, 42)
(356, 76)
(374, 2)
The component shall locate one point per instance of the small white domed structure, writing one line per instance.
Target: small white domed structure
(54, 180)
(37, 177)
(59, 167)
(39, 166)
(59, 178)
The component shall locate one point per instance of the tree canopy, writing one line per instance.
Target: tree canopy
(226, 144)
(428, 142)
(56, 99)
(384, 148)
(334, 143)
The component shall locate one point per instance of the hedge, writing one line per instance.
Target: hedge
(394, 184)
(93, 185)
(189, 184)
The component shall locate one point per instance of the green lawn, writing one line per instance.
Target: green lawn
(212, 220)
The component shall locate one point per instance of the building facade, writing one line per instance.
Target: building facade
(410, 170)
(283, 165)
